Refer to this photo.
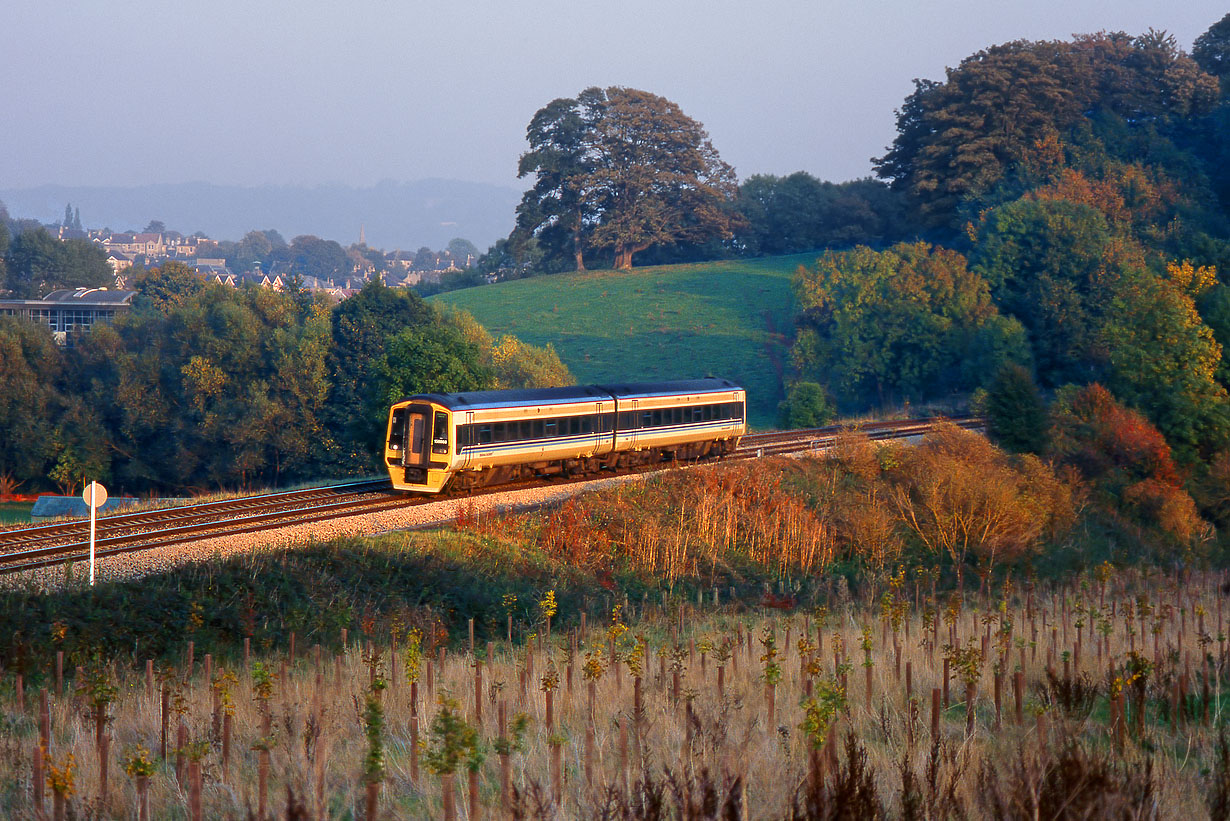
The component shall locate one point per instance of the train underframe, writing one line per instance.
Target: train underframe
(467, 480)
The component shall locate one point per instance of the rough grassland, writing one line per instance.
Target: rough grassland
(664, 322)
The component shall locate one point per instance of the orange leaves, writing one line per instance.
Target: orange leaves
(1127, 458)
(961, 496)
(690, 524)
(1190, 279)
(1168, 507)
(1097, 435)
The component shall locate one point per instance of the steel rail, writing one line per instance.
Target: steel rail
(158, 516)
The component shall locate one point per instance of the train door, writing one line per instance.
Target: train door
(463, 456)
(634, 427)
(602, 440)
(418, 425)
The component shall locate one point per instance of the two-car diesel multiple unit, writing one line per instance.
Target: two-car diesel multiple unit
(468, 440)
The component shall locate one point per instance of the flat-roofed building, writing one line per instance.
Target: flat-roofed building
(64, 310)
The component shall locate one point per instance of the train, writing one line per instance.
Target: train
(437, 442)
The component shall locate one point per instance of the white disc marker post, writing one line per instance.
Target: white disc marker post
(95, 495)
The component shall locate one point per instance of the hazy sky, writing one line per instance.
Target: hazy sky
(355, 91)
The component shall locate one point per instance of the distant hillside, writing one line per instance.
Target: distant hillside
(667, 322)
(395, 215)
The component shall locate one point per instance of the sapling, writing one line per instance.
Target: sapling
(195, 752)
(139, 767)
(592, 670)
(453, 742)
(868, 664)
(819, 712)
(505, 745)
(722, 653)
(60, 780)
(772, 671)
(373, 761)
(98, 692)
(548, 607)
(510, 603)
(262, 691)
(967, 662)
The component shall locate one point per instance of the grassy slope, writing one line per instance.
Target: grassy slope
(664, 322)
(15, 512)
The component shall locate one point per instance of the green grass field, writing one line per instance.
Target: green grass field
(15, 512)
(726, 319)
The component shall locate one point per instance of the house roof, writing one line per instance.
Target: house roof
(85, 297)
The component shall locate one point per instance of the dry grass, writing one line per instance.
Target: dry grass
(694, 746)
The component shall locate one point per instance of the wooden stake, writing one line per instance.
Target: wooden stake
(935, 713)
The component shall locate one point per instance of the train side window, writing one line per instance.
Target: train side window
(657, 418)
(484, 434)
(439, 433)
(550, 428)
(538, 429)
(587, 424)
(736, 410)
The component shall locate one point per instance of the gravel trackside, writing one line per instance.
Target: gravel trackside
(431, 514)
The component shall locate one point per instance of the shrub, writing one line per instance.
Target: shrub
(1016, 415)
(961, 497)
(806, 405)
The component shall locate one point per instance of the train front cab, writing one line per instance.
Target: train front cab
(417, 446)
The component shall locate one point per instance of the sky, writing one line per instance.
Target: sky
(255, 92)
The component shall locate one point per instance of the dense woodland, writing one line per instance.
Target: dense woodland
(204, 386)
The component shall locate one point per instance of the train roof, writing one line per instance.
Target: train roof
(709, 384)
(471, 400)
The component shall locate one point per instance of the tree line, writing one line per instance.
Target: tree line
(202, 386)
(1072, 204)
(619, 173)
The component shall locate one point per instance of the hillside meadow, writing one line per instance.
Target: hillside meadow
(727, 318)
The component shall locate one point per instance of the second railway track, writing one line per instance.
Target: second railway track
(45, 545)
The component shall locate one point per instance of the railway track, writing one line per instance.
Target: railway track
(27, 548)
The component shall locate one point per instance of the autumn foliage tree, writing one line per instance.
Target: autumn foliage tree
(1124, 458)
(960, 496)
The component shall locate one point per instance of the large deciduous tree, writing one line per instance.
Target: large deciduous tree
(553, 210)
(910, 321)
(361, 329)
(37, 264)
(961, 139)
(1211, 51)
(623, 170)
(30, 363)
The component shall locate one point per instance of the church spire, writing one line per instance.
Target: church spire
(362, 238)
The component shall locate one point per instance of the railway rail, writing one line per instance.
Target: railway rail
(27, 548)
